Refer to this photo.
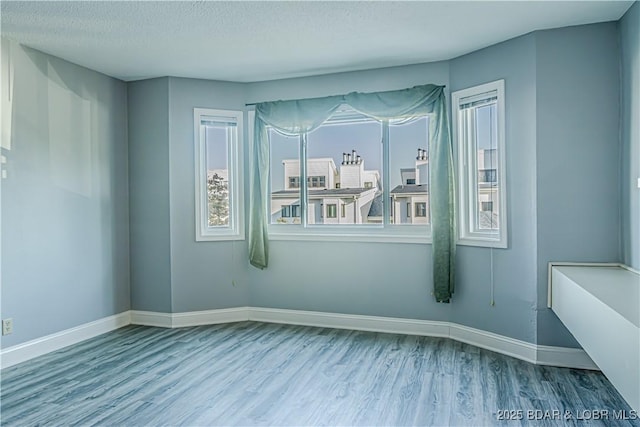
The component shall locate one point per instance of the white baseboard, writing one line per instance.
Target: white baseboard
(541, 355)
(190, 318)
(22, 352)
(390, 325)
(499, 343)
(538, 354)
(564, 357)
(151, 318)
(210, 317)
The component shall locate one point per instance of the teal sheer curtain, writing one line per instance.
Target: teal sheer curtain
(301, 116)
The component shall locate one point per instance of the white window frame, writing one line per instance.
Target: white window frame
(235, 229)
(368, 233)
(467, 174)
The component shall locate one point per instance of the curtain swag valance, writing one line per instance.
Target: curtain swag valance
(306, 115)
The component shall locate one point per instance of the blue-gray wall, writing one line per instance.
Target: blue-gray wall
(578, 149)
(577, 154)
(514, 268)
(65, 225)
(204, 275)
(149, 195)
(378, 279)
(629, 27)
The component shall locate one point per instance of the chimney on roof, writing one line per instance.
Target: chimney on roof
(352, 170)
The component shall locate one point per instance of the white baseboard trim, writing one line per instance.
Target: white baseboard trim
(22, 352)
(493, 342)
(565, 357)
(538, 354)
(210, 317)
(357, 322)
(151, 318)
(541, 355)
(190, 318)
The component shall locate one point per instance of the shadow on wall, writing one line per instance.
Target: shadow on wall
(64, 169)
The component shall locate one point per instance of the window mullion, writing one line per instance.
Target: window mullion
(386, 208)
(472, 170)
(202, 180)
(231, 180)
(303, 180)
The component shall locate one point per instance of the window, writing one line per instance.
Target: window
(409, 209)
(486, 206)
(218, 152)
(316, 181)
(312, 181)
(344, 164)
(421, 209)
(487, 175)
(286, 212)
(478, 122)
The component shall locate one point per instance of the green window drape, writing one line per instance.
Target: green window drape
(301, 116)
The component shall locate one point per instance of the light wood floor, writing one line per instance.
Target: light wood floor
(267, 374)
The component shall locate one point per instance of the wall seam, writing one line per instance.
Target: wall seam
(171, 305)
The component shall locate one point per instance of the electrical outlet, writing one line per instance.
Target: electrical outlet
(7, 326)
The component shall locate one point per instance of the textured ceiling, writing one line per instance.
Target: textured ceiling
(254, 41)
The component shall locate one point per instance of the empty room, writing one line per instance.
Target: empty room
(306, 213)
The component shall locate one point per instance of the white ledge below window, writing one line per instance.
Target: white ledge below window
(365, 234)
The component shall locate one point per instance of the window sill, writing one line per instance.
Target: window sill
(351, 235)
(482, 242)
(220, 237)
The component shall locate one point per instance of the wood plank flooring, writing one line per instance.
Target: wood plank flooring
(267, 374)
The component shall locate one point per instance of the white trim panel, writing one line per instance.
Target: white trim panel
(579, 264)
(22, 352)
(610, 338)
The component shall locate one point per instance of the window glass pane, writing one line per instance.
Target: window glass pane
(486, 185)
(218, 138)
(344, 166)
(479, 131)
(285, 178)
(409, 170)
